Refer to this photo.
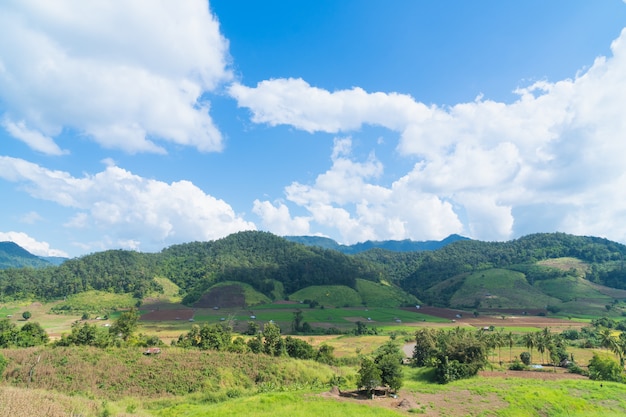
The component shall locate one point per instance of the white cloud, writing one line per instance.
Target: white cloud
(31, 217)
(35, 140)
(126, 207)
(128, 74)
(278, 220)
(30, 244)
(342, 199)
(483, 168)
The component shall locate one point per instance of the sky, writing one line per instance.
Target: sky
(139, 124)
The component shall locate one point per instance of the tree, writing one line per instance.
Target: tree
(299, 349)
(31, 334)
(298, 318)
(605, 368)
(369, 375)
(389, 360)
(125, 324)
(272, 340)
(425, 347)
(510, 341)
(325, 354)
(530, 341)
(26, 315)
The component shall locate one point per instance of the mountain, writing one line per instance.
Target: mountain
(391, 245)
(54, 260)
(544, 272)
(13, 255)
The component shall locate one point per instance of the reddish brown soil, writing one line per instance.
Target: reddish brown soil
(227, 296)
(512, 317)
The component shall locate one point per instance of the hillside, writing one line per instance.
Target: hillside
(13, 255)
(554, 271)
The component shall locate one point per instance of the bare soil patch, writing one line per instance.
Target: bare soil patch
(225, 296)
(512, 317)
(462, 403)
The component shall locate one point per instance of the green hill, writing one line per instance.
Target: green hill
(559, 270)
(13, 255)
(499, 289)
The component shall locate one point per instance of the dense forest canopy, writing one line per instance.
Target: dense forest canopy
(264, 260)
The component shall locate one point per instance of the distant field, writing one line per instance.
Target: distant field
(499, 288)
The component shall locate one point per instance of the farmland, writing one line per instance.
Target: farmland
(253, 325)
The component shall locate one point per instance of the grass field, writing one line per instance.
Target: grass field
(500, 288)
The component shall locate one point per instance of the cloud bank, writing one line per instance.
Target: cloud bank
(129, 75)
(550, 160)
(126, 209)
(31, 244)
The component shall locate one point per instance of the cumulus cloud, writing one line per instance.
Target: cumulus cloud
(130, 75)
(278, 219)
(344, 199)
(31, 244)
(482, 168)
(129, 208)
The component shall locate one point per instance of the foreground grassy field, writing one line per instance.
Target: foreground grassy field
(93, 383)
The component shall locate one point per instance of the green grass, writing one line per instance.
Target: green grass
(500, 288)
(523, 397)
(281, 404)
(170, 290)
(329, 295)
(97, 302)
(383, 294)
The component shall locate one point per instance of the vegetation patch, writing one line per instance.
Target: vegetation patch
(231, 294)
(383, 294)
(499, 288)
(94, 302)
(329, 295)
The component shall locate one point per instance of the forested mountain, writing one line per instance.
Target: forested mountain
(605, 260)
(278, 267)
(262, 260)
(13, 255)
(392, 245)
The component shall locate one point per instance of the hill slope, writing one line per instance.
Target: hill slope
(522, 273)
(13, 255)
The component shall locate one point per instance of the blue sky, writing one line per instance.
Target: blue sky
(142, 124)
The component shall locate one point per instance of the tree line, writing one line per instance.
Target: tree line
(273, 265)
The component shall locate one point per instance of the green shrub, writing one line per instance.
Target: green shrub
(517, 365)
(605, 368)
(3, 364)
(525, 357)
(575, 369)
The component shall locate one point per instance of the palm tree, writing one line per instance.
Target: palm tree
(543, 341)
(499, 341)
(530, 341)
(509, 338)
(609, 342)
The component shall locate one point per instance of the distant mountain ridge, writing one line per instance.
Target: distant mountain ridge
(390, 245)
(13, 255)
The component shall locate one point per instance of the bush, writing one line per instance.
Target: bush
(605, 368)
(525, 357)
(575, 369)
(3, 364)
(517, 365)
(448, 371)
